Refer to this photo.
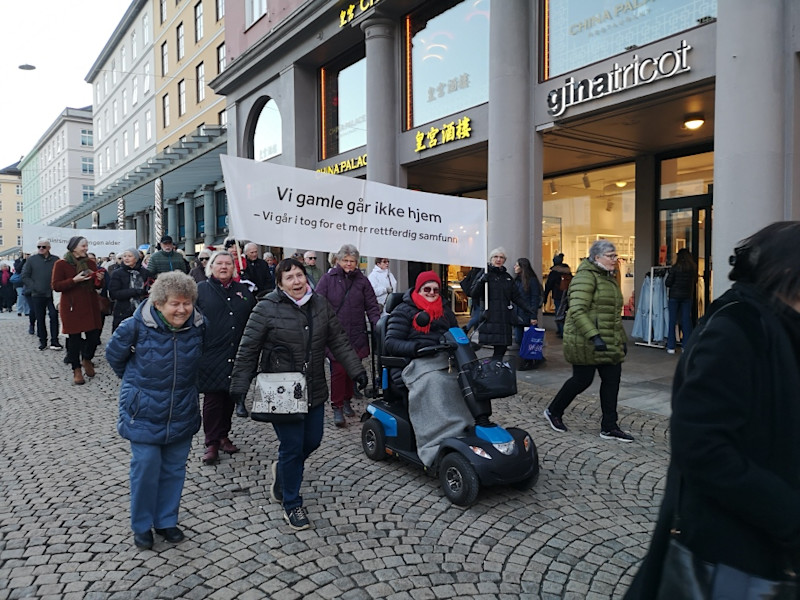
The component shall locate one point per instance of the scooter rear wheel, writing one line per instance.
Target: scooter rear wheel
(373, 439)
(459, 480)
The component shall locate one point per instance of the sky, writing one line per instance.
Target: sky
(62, 39)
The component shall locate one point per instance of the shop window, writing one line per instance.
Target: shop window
(199, 220)
(687, 175)
(343, 86)
(221, 199)
(447, 59)
(580, 32)
(267, 136)
(579, 209)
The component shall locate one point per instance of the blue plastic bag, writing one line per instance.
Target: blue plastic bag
(532, 346)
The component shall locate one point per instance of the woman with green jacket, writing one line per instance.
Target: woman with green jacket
(594, 339)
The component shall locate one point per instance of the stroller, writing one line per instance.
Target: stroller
(485, 454)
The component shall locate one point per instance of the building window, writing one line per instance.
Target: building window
(146, 77)
(123, 60)
(87, 192)
(181, 97)
(146, 29)
(124, 143)
(254, 10)
(179, 35)
(220, 9)
(116, 152)
(19, 206)
(97, 93)
(105, 83)
(86, 138)
(220, 58)
(134, 49)
(19, 189)
(199, 220)
(19, 240)
(135, 88)
(222, 117)
(124, 103)
(162, 10)
(19, 223)
(108, 158)
(447, 59)
(113, 72)
(87, 165)
(344, 103)
(115, 112)
(136, 135)
(198, 21)
(165, 109)
(200, 78)
(268, 135)
(221, 200)
(164, 59)
(148, 125)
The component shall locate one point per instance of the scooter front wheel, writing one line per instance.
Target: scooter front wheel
(373, 439)
(459, 480)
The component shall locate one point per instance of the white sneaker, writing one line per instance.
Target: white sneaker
(670, 350)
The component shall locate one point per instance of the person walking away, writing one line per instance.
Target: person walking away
(167, 259)
(290, 326)
(495, 329)
(37, 279)
(128, 287)
(226, 304)
(558, 280)
(157, 356)
(527, 283)
(680, 282)
(352, 297)
(732, 499)
(198, 272)
(594, 340)
(77, 277)
(382, 280)
(8, 294)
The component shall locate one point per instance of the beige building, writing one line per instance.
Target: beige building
(10, 211)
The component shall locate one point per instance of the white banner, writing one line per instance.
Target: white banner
(298, 208)
(101, 241)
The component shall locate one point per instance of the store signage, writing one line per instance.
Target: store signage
(448, 132)
(345, 165)
(618, 79)
(354, 10)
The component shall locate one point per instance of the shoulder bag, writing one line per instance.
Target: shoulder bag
(282, 397)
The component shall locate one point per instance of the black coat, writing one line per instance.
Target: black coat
(226, 311)
(680, 283)
(401, 337)
(735, 428)
(127, 292)
(259, 273)
(499, 315)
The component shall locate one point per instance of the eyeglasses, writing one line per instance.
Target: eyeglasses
(203, 258)
(42, 247)
(429, 290)
(312, 258)
(611, 256)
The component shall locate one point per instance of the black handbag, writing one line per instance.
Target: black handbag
(490, 378)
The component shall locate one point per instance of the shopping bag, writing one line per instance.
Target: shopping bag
(532, 346)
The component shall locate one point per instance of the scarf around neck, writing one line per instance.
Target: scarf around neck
(81, 265)
(435, 310)
(306, 297)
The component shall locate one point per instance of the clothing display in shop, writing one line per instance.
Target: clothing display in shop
(651, 322)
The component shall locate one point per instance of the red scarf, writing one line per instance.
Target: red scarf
(434, 309)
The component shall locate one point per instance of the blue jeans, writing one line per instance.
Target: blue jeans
(157, 476)
(22, 302)
(297, 442)
(682, 308)
(475, 316)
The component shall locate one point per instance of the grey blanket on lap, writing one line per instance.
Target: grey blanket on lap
(435, 405)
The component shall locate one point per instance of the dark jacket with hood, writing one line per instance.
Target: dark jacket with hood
(158, 400)
(226, 310)
(734, 430)
(495, 330)
(351, 295)
(279, 332)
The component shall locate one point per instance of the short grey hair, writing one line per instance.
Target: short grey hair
(348, 250)
(214, 257)
(248, 244)
(268, 255)
(499, 251)
(599, 248)
(173, 284)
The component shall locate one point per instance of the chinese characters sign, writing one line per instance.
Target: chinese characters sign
(354, 9)
(448, 132)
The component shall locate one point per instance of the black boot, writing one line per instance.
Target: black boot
(525, 365)
(241, 409)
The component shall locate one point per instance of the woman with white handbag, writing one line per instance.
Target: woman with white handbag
(297, 324)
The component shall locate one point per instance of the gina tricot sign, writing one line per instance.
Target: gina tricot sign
(620, 78)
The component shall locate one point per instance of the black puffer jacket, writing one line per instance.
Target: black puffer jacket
(503, 294)
(680, 283)
(226, 311)
(277, 323)
(401, 337)
(126, 287)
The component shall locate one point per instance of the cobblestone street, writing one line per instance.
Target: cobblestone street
(382, 529)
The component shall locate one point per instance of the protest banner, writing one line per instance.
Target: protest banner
(299, 208)
(101, 241)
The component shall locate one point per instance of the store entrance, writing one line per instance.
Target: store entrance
(686, 223)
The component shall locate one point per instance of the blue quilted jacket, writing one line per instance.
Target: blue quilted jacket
(158, 399)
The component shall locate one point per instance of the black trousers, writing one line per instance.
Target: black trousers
(80, 348)
(42, 306)
(582, 376)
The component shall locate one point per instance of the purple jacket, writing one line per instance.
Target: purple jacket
(351, 295)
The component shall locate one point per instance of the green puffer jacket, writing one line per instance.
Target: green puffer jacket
(595, 307)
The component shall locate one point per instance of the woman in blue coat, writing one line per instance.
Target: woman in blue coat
(157, 355)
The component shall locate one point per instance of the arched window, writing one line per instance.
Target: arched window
(267, 133)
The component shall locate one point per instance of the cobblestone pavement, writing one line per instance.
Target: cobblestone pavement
(382, 530)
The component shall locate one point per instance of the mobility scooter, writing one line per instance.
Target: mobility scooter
(485, 454)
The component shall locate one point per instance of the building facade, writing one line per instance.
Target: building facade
(11, 218)
(575, 120)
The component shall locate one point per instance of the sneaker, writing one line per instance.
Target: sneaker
(297, 518)
(275, 490)
(43, 346)
(56, 346)
(670, 350)
(555, 422)
(616, 434)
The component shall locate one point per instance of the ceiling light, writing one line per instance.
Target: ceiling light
(586, 183)
(694, 121)
(27, 67)
(553, 190)
(620, 184)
